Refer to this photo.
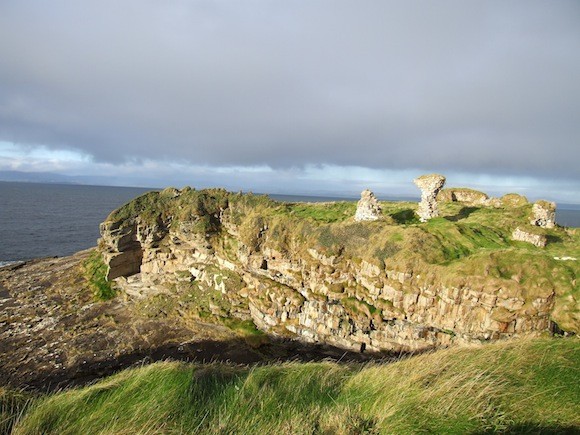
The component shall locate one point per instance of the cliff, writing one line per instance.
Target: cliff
(311, 271)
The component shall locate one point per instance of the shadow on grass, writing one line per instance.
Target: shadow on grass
(553, 239)
(236, 352)
(462, 214)
(405, 217)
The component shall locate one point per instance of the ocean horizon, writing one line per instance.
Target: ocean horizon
(49, 219)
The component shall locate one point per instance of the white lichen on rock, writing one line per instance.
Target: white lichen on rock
(544, 214)
(430, 186)
(368, 208)
(538, 240)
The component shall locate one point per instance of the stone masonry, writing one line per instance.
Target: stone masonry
(538, 240)
(544, 214)
(430, 186)
(368, 208)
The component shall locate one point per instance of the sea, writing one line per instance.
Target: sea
(47, 220)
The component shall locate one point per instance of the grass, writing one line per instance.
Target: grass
(329, 212)
(202, 207)
(247, 330)
(13, 404)
(524, 386)
(95, 272)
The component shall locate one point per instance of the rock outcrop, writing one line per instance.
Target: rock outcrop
(521, 235)
(512, 200)
(368, 208)
(122, 251)
(544, 214)
(240, 248)
(430, 186)
(463, 195)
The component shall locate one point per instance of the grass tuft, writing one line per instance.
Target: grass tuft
(95, 272)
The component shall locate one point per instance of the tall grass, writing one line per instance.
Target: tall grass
(518, 387)
(13, 405)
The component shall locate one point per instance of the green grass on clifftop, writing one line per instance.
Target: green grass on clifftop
(527, 386)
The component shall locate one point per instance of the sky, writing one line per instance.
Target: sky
(303, 96)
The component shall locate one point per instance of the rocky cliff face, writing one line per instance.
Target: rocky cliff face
(259, 258)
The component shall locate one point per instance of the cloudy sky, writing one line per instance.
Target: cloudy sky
(299, 96)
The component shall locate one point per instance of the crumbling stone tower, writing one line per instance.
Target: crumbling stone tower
(430, 186)
(544, 214)
(368, 208)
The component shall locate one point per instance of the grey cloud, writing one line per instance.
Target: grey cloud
(489, 87)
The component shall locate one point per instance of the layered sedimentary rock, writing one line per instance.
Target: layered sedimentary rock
(318, 292)
(368, 208)
(430, 186)
(522, 235)
(123, 252)
(544, 214)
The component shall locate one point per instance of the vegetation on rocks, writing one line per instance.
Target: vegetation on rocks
(525, 386)
(513, 200)
(467, 246)
(95, 272)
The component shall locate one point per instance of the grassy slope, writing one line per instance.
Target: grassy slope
(518, 386)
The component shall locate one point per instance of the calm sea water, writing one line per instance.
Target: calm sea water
(41, 220)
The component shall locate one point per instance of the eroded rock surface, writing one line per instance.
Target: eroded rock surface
(544, 214)
(430, 186)
(368, 208)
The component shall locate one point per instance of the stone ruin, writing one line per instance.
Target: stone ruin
(522, 235)
(430, 186)
(368, 208)
(544, 214)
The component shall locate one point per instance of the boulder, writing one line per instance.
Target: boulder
(430, 186)
(368, 208)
